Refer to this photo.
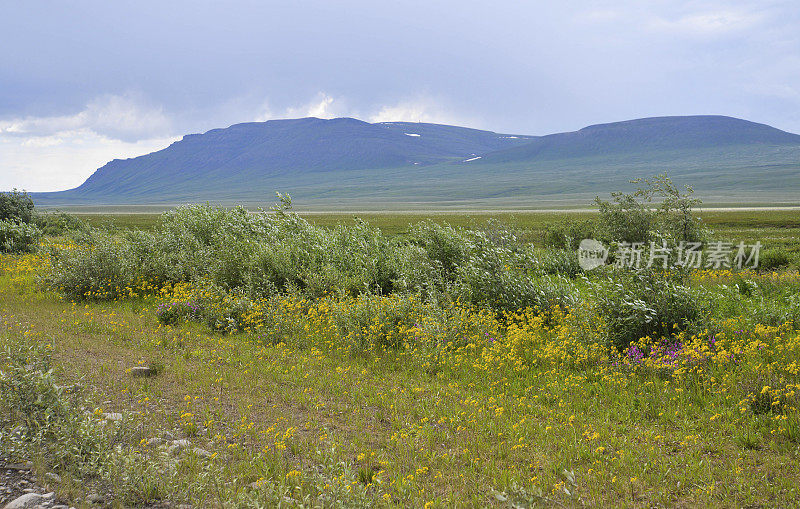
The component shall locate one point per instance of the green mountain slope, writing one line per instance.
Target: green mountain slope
(647, 135)
(346, 163)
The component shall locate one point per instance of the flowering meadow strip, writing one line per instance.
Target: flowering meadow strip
(729, 355)
(532, 403)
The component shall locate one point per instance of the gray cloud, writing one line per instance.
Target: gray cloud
(130, 72)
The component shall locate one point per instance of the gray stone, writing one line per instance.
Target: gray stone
(201, 452)
(113, 416)
(50, 476)
(155, 442)
(141, 371)
(94, 498)
(27, 501)
(177, 446)
(20, 466)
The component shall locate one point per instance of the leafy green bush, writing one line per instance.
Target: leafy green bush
(45, 416)
(100, 267)
(16, 206)
(415, 272)
(175, 312)
(363, 321)
(505, 279)
(445, 247)
(18, 237)
(275, 268)
(657, 211)
(557, 261)
(505, 290)
(624, 219)
(222, 310)
(774, 258)
(569, 233)
(58, 223)
(642, 304)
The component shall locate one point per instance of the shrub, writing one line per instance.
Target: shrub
(636, 218)
(568, 234)
(58, 223)
(500, 233)
(221, 310)
(46, 417)
(370, 321)
(275, 268)
(446, 247)
(175, 312)
(102, 268)
(774, 258)
(642, 304)
(502, 279)
(18, 237)
(16, 206)
(415, 272)
(557, 261)
(511, 292)
(624, 219)
(363, 255)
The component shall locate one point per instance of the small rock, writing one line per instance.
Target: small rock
(19, 466)
(201, 452)
(28, 490)
(94, 498)
(113, 416)
(49, 496)
(154, 442)
(27, 501)
(179, 445)
(141, 371)
(50, 476)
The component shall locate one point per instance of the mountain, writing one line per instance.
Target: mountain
(646, 135)
(260, 150)
(347, 163)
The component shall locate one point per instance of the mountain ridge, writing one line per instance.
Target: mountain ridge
(318, 159)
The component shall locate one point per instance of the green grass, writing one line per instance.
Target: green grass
(775, 227)
(132, 220)
(447, 438)
(307, 417)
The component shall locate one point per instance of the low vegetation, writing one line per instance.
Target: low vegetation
(21, 227)
(304, 365)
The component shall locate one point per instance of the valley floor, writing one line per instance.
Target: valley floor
(236, 420)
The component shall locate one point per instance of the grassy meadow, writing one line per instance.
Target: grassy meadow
(318, 361)
(781, 227)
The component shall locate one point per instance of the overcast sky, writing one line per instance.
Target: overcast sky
(84, 82)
